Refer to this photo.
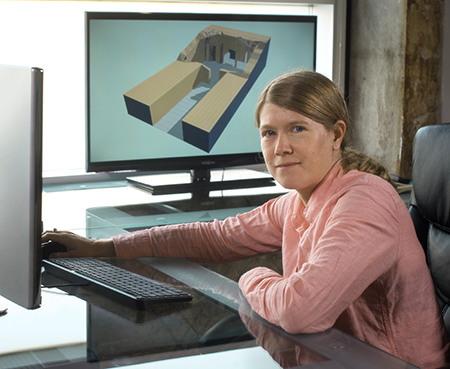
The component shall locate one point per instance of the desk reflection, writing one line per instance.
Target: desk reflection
(218, 321)
(286, 352)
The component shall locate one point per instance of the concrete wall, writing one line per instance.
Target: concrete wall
(376, 77)
(395, 75)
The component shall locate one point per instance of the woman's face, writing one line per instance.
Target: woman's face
(298, 151)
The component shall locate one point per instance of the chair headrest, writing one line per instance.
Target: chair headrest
(431, 173)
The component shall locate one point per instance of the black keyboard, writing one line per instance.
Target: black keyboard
(118, 284)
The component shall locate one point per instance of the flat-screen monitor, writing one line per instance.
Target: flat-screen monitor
(21, 90)
(170, 91)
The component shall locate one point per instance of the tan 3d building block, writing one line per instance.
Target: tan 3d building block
(203, 88)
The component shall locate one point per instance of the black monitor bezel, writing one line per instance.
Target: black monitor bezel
(205, 162)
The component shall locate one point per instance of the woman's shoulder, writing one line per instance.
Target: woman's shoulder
(372, 185)
(355, 178)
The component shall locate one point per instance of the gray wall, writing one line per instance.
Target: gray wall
(376, 77)
(398, 75)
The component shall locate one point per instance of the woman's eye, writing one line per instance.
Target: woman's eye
(268, 133)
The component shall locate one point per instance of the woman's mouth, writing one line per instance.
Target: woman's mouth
(286, 165)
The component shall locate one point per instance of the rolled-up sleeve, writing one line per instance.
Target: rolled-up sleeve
(246, 235)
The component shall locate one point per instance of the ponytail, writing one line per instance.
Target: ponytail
(352, 159)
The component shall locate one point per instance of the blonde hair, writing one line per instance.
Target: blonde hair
(316, 97)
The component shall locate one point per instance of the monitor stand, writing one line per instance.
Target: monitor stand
(199, 203)
(201, 182)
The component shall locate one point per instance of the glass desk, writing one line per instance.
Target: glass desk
(76, 328)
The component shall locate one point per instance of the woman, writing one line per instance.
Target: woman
(351, 259)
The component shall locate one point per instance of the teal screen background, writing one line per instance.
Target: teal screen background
(125, 52)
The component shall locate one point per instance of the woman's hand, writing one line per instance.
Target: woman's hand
(79, 246)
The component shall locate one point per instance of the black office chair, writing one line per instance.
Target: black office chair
(430, 206)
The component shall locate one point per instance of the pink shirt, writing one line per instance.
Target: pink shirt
(351, 260)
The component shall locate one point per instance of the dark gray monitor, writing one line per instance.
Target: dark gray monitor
(177, 91)
(21, 95)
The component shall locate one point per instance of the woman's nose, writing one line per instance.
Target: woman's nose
(283, 145)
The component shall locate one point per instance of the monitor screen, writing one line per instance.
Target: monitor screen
(172, 91)
(21, 189)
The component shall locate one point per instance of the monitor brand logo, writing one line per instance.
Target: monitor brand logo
(208, 162)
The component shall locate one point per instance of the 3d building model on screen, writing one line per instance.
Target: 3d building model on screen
(195, 97)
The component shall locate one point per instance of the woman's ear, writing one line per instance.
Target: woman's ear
(339, 133)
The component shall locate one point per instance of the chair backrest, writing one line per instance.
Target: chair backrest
(430, 206)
